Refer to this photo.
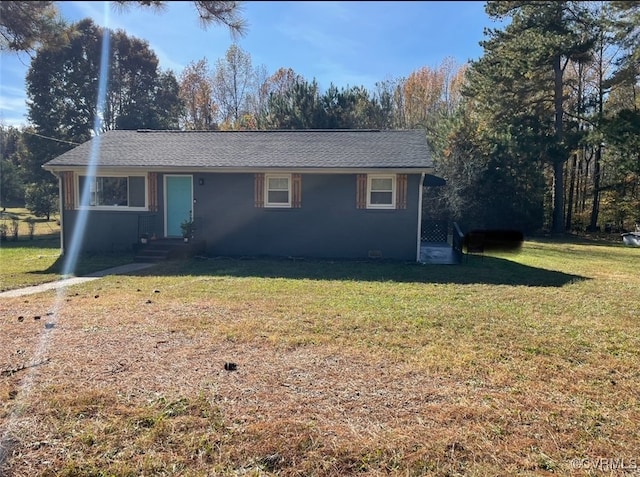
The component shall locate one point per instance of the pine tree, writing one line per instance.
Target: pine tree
(520, 81)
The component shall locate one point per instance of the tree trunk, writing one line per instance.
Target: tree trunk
(595, 207)
(585, 181)
(557, 225)
(574, 188)
(576, 200)
(572, 183)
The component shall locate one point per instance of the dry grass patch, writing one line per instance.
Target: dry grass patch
(29, 226)
(369, 369)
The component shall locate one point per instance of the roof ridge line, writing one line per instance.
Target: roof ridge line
(147, 131)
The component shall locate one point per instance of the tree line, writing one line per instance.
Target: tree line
(541, 132)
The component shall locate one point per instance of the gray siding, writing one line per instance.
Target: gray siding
(328, 225)
(105, 231)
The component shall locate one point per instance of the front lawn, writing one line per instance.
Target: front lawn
(31, 259)
(524, 364)
(26, 263)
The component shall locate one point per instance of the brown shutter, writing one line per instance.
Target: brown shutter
(69, 190)
(296, 191)
(401, 191)
(259, 190)
(153, 191)
(361, 192)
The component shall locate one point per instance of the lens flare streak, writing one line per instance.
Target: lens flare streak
(7, 439)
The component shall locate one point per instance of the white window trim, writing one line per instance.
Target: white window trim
(281, 205)
(370, 178)
(124, 208)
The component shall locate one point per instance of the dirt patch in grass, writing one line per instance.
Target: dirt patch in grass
(126, 376)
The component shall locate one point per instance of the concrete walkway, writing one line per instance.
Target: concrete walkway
(66, 282)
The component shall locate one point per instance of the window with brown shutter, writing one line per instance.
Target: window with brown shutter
(278, 190)
(381, 191)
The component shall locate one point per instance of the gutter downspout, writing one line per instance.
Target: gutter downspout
(61, 207)
(419, 235)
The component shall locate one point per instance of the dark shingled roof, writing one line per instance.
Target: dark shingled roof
(348, 149)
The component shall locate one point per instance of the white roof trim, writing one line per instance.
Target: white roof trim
(243, 170)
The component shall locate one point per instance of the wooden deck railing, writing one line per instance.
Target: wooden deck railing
(458, 241)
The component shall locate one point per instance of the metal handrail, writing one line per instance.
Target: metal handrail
(147, 225)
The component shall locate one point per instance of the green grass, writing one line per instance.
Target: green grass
(28, 265)
(35, 260)
(509, 364)
(39, 261)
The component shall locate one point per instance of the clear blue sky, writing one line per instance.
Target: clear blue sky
(347, 43)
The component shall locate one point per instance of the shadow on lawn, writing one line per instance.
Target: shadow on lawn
(475, 270)
(602, 240)
(51, 241)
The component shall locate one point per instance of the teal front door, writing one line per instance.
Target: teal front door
(178, 193)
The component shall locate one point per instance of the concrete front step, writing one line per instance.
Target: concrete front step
(159, 250)
(149, 258)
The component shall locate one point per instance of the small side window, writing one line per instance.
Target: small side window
(381, 192)
(277, 190)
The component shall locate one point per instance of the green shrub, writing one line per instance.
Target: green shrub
(41, 199)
